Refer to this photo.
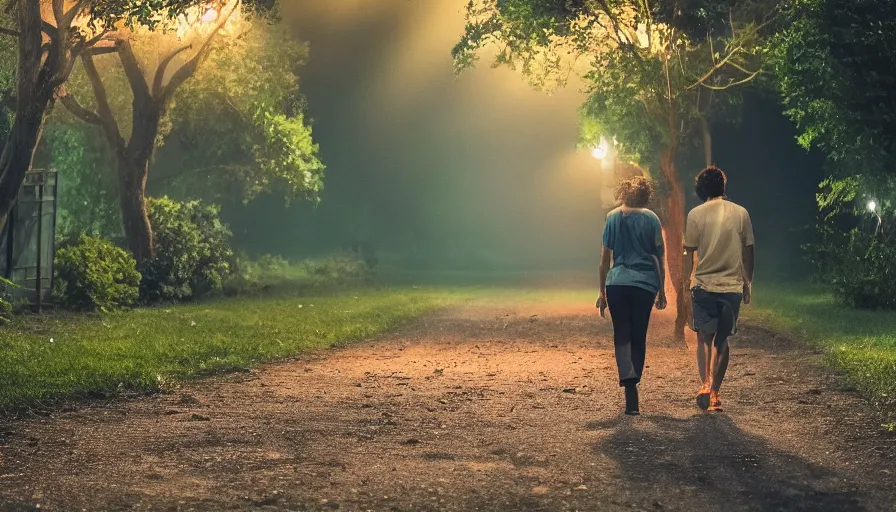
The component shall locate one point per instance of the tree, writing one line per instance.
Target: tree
(654, 73)
(187, 88)
(87, 199)
(50, 37)
(238, 128)
(835, 64)
(7, 78)
(152, 94)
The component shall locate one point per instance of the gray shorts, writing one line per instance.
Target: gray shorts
(715, 313)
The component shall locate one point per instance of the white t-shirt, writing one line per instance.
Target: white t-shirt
(719, 230)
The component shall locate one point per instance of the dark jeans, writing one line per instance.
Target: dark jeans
(630, 308)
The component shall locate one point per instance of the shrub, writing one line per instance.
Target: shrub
(8, 302)
(193, 255)
(858, 263)
(92, 273)
(859, 267)
(271, 264)
(252, 277)
(348, 265)
(363, 251)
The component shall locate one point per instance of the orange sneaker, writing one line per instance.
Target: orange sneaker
(703, 397)
(715, 404)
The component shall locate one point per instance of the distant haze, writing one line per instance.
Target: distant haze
(475, 172)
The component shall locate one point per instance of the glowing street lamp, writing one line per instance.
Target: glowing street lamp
(608, 170)
(872, 207)
(600, 152)
(210, 15)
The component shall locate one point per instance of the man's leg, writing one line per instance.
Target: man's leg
(705, 323)
(704, 355)
(729, 307)
(720, 364)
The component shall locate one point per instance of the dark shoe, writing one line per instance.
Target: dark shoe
(703, 397)
(631, 400)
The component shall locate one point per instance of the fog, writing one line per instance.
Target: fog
(478, 171)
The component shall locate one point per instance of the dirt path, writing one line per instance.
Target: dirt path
(484, 407)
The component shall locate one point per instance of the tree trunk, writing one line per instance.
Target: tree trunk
(132, 201)
(133, 171)
(707, 141)
(18, 153)
(35, 92)
(674, 238)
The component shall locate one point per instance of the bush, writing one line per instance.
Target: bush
(252, 277)
(859, 267)
(349, 265)
(8, 302)
(193, 255)
(92, 273)
(270, 264)
(857, 263)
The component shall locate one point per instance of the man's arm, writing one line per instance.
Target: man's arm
(691, 242)
(749, 263)
(688, 268)
(749, 257)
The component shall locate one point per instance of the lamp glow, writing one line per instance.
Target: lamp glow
(872, 206)
(600, 152)
(210, 15)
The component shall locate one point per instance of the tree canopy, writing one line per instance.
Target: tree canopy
(225, 76)
(50, 36)
(651, 70)
(835, 63)
(234, 129)
(654, 73)
(239, 126)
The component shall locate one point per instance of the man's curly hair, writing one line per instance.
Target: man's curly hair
(710, 183)
(635, 192)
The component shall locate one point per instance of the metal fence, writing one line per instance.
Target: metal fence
(27, 242)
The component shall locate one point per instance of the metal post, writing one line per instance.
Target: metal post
(10, 239)
(40, 229)
(55, 217)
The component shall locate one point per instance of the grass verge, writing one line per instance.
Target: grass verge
(45, 359)
(862, 343)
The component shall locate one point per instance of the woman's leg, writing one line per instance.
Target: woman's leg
(642, 306)
(619, 301)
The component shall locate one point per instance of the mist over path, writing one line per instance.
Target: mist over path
(501, 404)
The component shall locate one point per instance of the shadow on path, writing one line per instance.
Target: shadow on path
(708, 463)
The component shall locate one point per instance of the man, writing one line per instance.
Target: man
(722, 235)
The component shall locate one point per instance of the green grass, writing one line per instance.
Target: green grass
(148, 350)
(152, 349)
(862, 343)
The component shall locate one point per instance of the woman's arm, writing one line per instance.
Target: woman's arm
(660, 258)
(661, 270)
(606, 257)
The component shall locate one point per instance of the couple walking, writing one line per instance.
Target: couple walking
(721, 234)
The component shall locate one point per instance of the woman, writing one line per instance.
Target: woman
(633, 240)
